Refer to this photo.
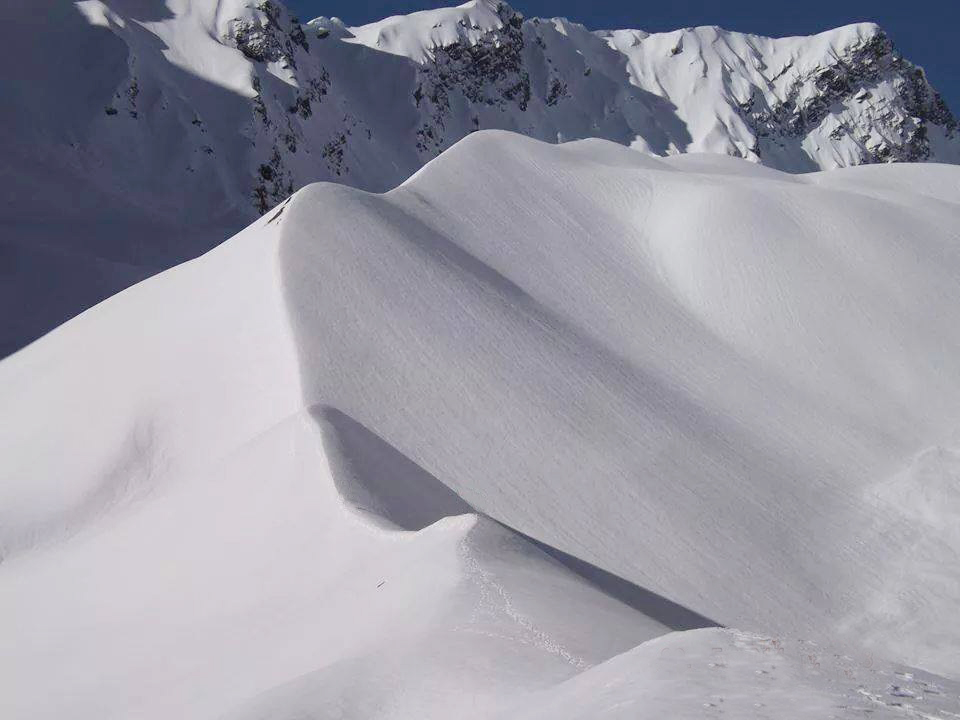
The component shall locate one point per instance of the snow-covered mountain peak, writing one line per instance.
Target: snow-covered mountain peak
(192, 118)
(841, 97)
(418, 34)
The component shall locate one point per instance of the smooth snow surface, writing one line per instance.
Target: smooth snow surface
(729, 673)
(470, 448)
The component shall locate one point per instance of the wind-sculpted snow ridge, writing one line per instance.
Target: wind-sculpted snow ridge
(476, 446)
(188, 119)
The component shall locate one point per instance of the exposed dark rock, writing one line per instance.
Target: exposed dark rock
(259, 106)
(270, 36)
(316, 88)
(332, 152)
(848, 80)
(274, 183)
(558, 89)
(488, 72)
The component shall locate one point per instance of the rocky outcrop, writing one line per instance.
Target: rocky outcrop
(848, 81)
(269, 36)
(489, 71)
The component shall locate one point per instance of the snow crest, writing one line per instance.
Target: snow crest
(346, 453)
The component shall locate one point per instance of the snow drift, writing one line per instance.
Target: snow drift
(451, 448)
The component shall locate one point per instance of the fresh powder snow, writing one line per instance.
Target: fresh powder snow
(547, 431)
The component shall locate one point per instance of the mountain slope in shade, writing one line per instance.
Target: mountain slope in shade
(187, 119)
(224, 489)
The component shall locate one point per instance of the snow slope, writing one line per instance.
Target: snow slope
(196, 540)
(450, 449)
(188, 118)
(714, 673)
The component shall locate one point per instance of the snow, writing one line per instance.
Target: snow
(193, 527)
(484, 444)
(416, 35)
(710, 74)
(708, 673)
(189, 118)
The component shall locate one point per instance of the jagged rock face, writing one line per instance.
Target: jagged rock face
(842, 98)
(847, 81)
(488, 71)
(261, 38)
(845, 97)
(194, 120)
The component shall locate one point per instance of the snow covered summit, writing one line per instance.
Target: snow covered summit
(140, 133)
(509, 440)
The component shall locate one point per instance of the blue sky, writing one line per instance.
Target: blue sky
(927, 33)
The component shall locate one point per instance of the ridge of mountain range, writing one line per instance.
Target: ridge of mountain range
(145, 132)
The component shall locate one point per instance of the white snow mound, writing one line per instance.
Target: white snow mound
(444, 450)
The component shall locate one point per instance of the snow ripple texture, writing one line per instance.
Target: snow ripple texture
(452, 449)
